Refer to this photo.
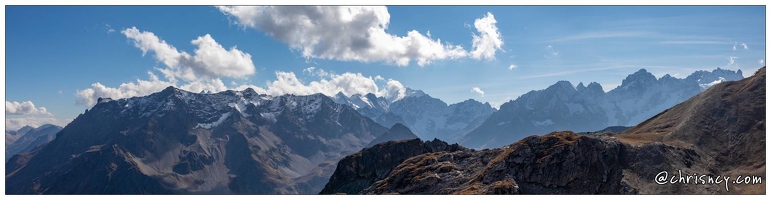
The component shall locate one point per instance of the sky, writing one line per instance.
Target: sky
(60, 59)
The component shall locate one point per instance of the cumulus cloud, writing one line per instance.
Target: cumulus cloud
(734, 48)
(478, 91)
(88, 97)
(211, 60)
(394, 90)
(348, 83)
(13, 124)
(489, 39)
(379, 78)
(761, 61)
(745, 46)
(24, 108)
(350, 33)
(512, 66)
(201, 71)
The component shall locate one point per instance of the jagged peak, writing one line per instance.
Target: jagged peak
(580, 86)
(594, 85)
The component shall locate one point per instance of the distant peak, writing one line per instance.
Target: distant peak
(595, 87)
(641, 75)
(414, 93)
(169, 89)
(250, 90)
(580, 87)
(398, 126)
(562, 85)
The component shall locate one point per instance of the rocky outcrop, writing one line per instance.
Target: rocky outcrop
(557, 163)
(358, 171)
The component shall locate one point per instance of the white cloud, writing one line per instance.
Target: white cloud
(512, 66)
(348, 83)
(761, 61)
(732, 60)
(60, 92)
(489, 40)
(309, 70)
(350, 33)
(211, 60)
(379, 78)
(202, 72)
(88, 97)
(312, 71)
(13, 124)
(478, 91)
(745, 46)
(109, 28)
(24, 108)
(734, 48)
(199, 72)
(394, 90)
(551, 52)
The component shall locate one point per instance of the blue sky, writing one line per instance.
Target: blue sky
(54, 54)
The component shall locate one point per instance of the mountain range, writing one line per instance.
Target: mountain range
(588, 108)
(241, 142)
(719, 132)
(426, 116)
(27, 138)
(178, 142)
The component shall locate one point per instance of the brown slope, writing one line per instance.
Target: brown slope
(724, 124)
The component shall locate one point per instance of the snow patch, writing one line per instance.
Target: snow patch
(240, 106)
(269, 116)
(214, 124)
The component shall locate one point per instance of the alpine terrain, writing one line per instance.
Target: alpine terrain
(178, 142)
(583, 108)
(719, 132)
